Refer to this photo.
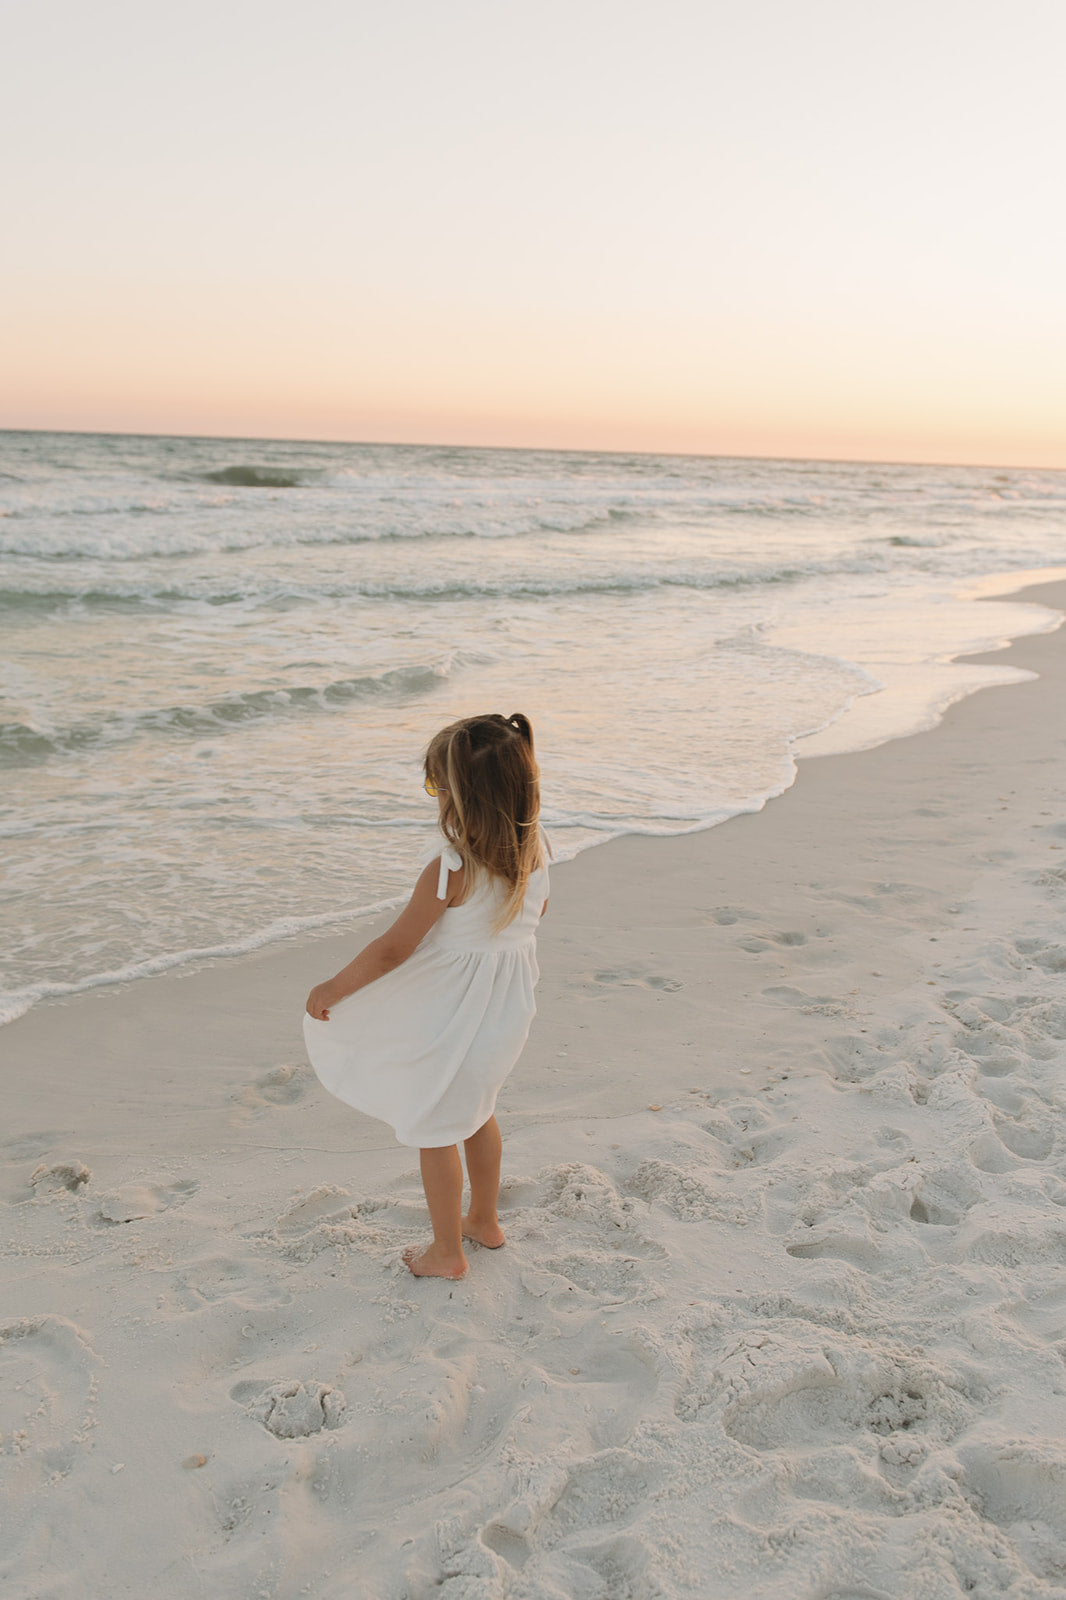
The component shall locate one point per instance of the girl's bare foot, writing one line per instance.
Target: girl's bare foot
(490, 1234)
(431, 1262)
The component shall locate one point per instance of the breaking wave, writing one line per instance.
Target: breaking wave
(22, 745)
(644, 579)
(254, 478)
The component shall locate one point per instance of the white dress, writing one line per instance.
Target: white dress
(427, 1047)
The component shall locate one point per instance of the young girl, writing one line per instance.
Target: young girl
(424, 1025)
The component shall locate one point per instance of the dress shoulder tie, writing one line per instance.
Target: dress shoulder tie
(450, 861)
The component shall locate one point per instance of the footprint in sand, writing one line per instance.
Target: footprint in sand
(621, 1565)
(944, 1195)
(811, 1005)
(1031, 1140)
(999, 1037)
(294, 1410)
(1044, 1313)
(1011, 1236)
(71, 1176)
(733, 1133)
(324, 1218)
(607, 1277)
(758, 942)
(631, 978)
(1045, 953)
(603, 1256)
(931, 1214)
(281, 1086)
(759, 1149)
(974, 1009)
(221, 1278)
(512, 1548)
(1047, 1020)
(135, 1201)
(1021, 1487)
(605, 1383)
(601, 1493)
(998, 1064)
(562, 1522)
(989, 1154)
(839, 1244)
(584, 1194)
(685, 1195)
(780, 1393)
(327, 1202)
(47, 1398)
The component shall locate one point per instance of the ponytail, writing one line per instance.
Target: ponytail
(487, 768)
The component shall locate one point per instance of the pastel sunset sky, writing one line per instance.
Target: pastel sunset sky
(826, 228)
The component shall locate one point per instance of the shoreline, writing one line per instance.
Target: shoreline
(292, 967)
(301, 960)
(872, 719)
(782, 1307)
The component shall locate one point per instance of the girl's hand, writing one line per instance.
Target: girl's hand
(319, 1001)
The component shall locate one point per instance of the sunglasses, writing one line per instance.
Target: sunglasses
(433, 789)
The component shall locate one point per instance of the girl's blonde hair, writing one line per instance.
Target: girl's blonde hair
(490, 783)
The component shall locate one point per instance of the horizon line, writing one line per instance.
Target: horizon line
(400, 444)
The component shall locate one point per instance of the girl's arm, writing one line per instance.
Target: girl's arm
(393, 947)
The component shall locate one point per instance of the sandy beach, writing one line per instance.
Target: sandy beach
(783, 1308)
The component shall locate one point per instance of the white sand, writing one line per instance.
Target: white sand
(799, 1333)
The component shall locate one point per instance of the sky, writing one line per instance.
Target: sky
(828, 228)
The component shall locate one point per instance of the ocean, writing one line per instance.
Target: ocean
(222, 659)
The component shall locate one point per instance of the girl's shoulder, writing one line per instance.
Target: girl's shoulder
(437, 849)
(484, 884)
(450, 861)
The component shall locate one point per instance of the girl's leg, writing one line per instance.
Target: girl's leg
(442, 1179)
(483, 1151)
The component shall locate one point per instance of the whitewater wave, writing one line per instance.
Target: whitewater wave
(49, 536)
(22, 745)
(17, 1002)
(213, 513)
(555, 585)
